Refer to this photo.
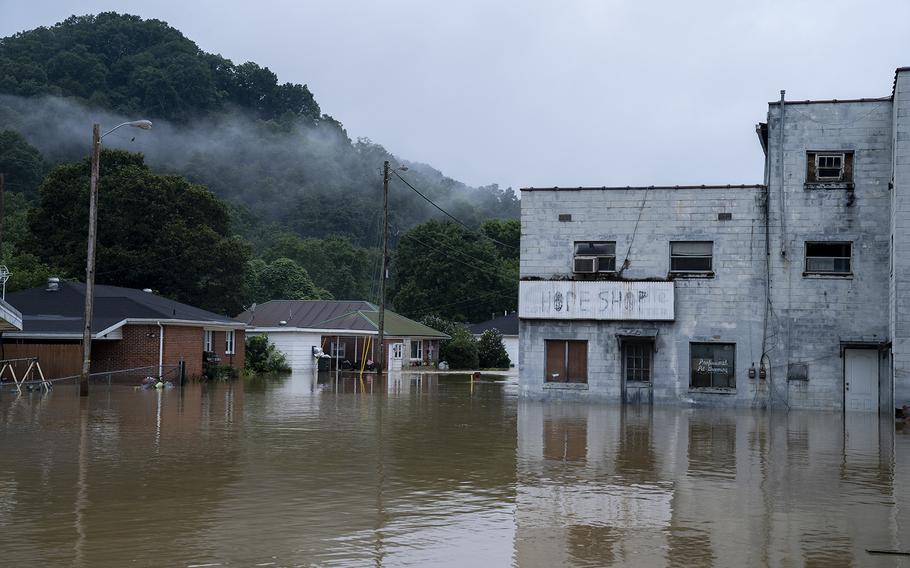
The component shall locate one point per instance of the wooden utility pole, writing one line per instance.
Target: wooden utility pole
(2, 212)
(385, 256)
(90, 262)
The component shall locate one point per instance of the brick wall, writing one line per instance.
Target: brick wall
(184, 343)
(138, 348)
(219, 344)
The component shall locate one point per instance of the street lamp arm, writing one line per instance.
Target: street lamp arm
(143, 124)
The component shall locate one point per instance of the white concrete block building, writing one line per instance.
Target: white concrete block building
(793, 293)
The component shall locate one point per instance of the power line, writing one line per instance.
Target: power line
(474, 266)
(449, 215)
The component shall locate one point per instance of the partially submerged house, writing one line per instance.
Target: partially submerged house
(345, 330)
(507, 325)
(130, 328)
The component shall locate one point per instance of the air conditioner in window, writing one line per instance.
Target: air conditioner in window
(585, 265)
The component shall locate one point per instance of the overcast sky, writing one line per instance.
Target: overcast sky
(533, 92)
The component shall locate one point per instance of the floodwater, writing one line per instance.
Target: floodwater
(437, 471)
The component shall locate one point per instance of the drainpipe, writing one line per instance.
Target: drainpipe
(780, 165)
(160, 350)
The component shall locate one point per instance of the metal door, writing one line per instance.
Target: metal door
(861, 380)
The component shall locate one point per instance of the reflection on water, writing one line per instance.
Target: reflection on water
(437, 470)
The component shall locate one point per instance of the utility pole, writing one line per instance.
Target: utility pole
(2, 212)
(385, 256)
(90, 262)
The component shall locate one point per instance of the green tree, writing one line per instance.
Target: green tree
(263, 357)
(491, 350)
(154, 231)
(442, 268)
(461, 353)
(21, 163)
(281, 279)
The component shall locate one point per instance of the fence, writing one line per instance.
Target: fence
(135, 376)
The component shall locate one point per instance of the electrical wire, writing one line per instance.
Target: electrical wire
(449, 215)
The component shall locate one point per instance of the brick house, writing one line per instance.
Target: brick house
(131, 328)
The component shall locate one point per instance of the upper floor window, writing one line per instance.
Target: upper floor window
(692, 257)
(828, 258)
(829, 167)
(592, 257)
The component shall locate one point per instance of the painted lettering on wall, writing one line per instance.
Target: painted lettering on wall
(596, 300)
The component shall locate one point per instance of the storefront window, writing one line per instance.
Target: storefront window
(713, 365)
(567, 361)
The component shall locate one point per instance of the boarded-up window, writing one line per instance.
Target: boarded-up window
(567, 361)
(829, 167)
(713, 365)
(691, 256)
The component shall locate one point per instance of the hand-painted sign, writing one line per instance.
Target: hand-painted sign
(561, 299)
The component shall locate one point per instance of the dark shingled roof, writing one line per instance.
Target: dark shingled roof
(507, 325)
(61, 311)
(334, 314)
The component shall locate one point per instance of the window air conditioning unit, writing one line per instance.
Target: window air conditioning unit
(585, 265)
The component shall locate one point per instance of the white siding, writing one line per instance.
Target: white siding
(511, 343)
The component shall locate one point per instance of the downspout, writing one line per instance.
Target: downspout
(160, 350)
(780, 166)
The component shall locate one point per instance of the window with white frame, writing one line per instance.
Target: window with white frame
(338, 349)
(695, 257)
(829, 167)
(229, 342)
(417, 350)
(208, 341)
(828, 258)
(592, 257)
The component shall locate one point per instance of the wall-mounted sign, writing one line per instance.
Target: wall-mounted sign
(561, 299)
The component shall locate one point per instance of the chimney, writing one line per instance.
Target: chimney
(53, 284)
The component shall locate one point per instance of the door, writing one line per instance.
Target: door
(861, 380)
(396, 350)
(637, 362)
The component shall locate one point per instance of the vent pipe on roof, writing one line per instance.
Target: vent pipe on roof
(282, 323)
(53, 284)
(147, 290)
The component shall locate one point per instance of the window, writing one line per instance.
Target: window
(595, 256)
(207, 341)
(567, 361)
(338, 349)
(828, 258)
(637, 361)
(417, 350)
(691, 256)
(713, 365)
(829, 167)
(229, 342)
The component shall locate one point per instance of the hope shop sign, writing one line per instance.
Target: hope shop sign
(596, 300)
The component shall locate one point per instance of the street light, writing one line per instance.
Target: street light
(92, 237)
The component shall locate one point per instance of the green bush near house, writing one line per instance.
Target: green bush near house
(461, 353)
(492, 351)
(263, 357)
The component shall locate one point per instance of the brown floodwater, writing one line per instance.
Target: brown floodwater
(437, 471)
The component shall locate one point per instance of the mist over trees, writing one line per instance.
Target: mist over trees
(292, 192)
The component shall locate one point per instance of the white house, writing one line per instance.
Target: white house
(345, 330)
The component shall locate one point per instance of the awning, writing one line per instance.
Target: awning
(862, 342)
(637, 333)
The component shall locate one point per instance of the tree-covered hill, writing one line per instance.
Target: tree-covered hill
(126, 64)
(234, 128)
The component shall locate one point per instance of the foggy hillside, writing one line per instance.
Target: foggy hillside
(255, 142)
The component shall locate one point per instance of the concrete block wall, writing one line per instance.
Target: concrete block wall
(900, 229)
(813, 313)
(727, 308)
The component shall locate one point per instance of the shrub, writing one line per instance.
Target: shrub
(461, 353)
(263, 357)
(492, 351)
